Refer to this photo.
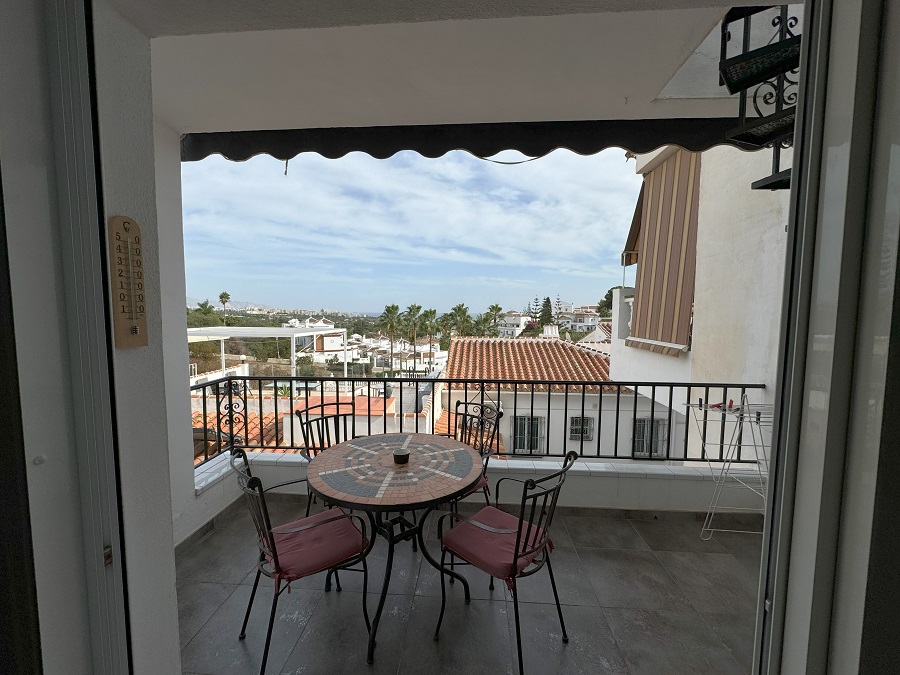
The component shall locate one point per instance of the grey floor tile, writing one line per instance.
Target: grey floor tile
(714, 582)
(218, 558)
(747, 548)
(572, 583)
(280, 512)
(217, 649)
(559, 534)
(631, 579)
(737, 632)
(335, 640)
(670, 642)
(675, 536)
(429, 584)
(591, 647)
(474, 638)
(197, 602)
(587, 532)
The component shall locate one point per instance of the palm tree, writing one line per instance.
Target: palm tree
(429, 323)
(495, 312)
(445, 326)
(462, 321)
(481, 325)
(224, 298)
(390, 322)
(412, 317)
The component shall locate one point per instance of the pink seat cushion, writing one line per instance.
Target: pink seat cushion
(489, 551)
(318, 548)
(479, 486)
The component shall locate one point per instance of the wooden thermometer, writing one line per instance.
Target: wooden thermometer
(126, 264)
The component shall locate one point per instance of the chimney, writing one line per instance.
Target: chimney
(551, 330)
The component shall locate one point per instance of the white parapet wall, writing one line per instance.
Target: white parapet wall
(624, 485)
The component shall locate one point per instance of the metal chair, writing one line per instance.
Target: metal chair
(507, 546)
(322, 426)
(330, 540)
(476, 425)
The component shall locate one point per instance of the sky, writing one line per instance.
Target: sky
(358, 233)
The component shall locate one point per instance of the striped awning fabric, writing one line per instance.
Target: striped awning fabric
(664, 286)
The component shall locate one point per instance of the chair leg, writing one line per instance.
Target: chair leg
(487, 497)
(249, 605)
(337, 581)
(365, 570)
(415, 544)
(309, 498)
(556, 597)
(443, 594)
(265, 657)
(491, 585)
(518, 630)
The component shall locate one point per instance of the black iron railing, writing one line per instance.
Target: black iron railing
(612, 420)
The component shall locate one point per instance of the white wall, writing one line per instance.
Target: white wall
(739, 282)
(740, 269)
(125, 119)
(28, 169)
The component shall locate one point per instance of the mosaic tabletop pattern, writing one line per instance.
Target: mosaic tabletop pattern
(363, 472)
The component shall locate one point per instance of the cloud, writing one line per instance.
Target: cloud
(358, 233)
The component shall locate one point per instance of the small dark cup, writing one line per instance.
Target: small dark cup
(401, 456)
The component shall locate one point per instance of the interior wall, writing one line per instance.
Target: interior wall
(167, 150)
(35, 266)
(741, 243)
(125, 118)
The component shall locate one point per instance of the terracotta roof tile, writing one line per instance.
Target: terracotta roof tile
(525, 359)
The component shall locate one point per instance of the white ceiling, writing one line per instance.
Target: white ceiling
(573, 67)
(156, 18)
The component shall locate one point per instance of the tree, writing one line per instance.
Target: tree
(534, 311)
(462, 321)
(445, 326)
(429, 324)
(412, 317)
(481, 326)
(495, 312)
(546, 313)
(604, 307)
(390, 324)
(205, 307)
(224, 298)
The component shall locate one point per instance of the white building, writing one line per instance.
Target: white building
(512, 324)
(710, 319)
(544, 416)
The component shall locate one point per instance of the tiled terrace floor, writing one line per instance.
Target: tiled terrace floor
(639, 596)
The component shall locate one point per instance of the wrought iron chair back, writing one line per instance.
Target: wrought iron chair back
(254, 494)
(536, 511)
(476, 425)
(326, 424)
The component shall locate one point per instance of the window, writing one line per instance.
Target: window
(643, 442)
(581, 428)
(529, 434)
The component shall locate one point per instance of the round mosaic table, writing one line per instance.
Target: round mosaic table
(361, 474)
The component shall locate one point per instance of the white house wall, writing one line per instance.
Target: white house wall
(557, 420)
(741, 243)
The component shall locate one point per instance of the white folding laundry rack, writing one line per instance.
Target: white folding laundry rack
(738, 455)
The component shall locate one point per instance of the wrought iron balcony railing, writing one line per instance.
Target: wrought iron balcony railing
(610, 420)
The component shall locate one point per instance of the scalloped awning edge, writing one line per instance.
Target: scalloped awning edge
(534, 139)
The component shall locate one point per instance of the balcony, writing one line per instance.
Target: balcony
(641, 593)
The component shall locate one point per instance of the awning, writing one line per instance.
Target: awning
(630, 254)
(534, 139)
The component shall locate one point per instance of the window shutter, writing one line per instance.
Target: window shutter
(667, 256)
